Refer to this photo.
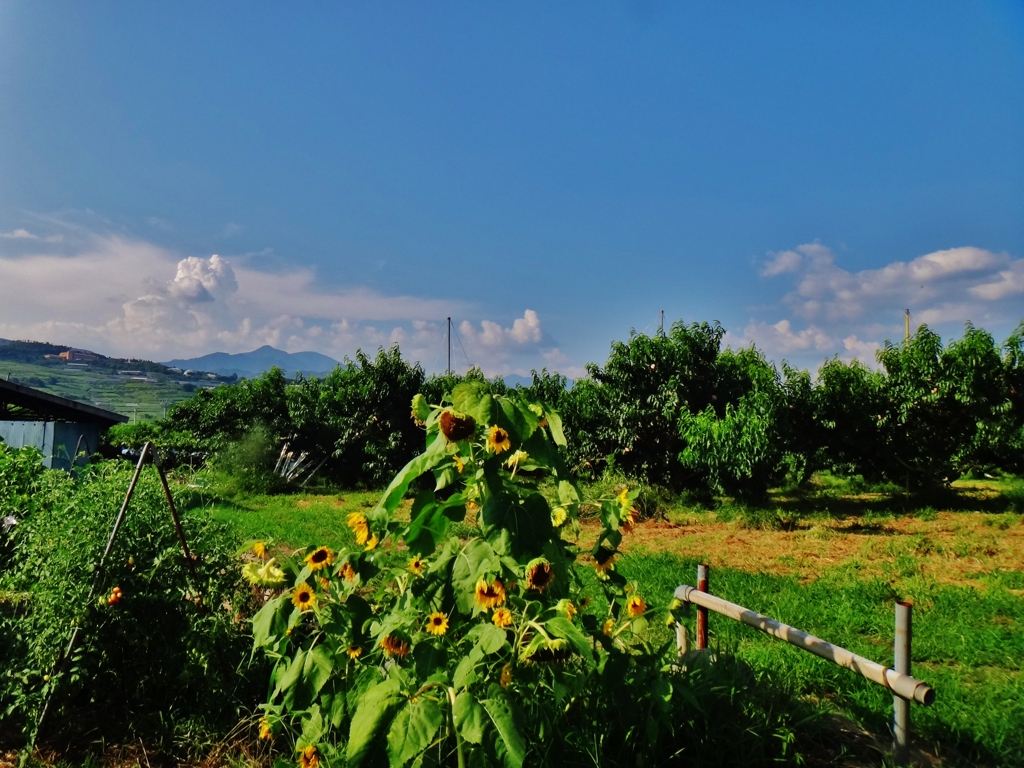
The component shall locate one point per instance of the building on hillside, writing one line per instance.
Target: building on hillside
(74, 356)
(60, 428)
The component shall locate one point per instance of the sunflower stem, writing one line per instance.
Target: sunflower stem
(458, 739)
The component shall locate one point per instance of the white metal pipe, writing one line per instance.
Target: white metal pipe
(902, 685)
(901, 663)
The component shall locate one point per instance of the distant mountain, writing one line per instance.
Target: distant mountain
(250, 364)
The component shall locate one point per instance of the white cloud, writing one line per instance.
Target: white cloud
(19, 234)
(852, 313)
(125, 296)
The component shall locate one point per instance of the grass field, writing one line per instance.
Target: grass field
(831, 561)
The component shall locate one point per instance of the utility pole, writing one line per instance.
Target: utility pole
(906, 325)
(661, 325)
(449, 346)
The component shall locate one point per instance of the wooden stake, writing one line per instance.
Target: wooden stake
(702, 613)
(900, 706)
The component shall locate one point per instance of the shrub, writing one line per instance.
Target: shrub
(160, 653)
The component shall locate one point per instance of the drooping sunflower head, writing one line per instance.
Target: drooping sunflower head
(308, 757)
(319, 558)
(489, 595)
(456, 426)
(635, 606)
(559, 516)
(506, 676)
(517, 458)
(359, 526)
(420, 409)
(628, 520)
(347, 572)
(417, 565)
(502, 618)
(394, 646)
(498, 440)
(265, 730)
(623, 497)
(437, 623)
(539, 574)
(303, 597)
(567, 607)
(371, 542)
(604, 559)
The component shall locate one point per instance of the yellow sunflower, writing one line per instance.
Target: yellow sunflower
(459, 463)
(604, 560)
(497, 440)
(559, 516)
(303, 597)
(608, 627)
(359, 526)
(490, 595)
(347, 572)
(517, 458)
(260, 549)
(371, 543)
(635, 606)
(321, 557)
(308, 757)
(394, 646)
(502, 618)
(437, 623)
(354, 652)
(265, 732)
(417, 565)
(623, 498)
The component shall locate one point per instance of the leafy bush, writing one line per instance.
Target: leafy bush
(160, 653)
(247, 465)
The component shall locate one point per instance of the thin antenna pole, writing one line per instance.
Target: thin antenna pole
(661, 325)
(449, 346)
(906, 324)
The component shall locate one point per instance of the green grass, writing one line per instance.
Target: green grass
(968, 644)
(293, 521)
(968, 638)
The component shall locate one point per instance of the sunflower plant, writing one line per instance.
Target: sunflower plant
(415, 645)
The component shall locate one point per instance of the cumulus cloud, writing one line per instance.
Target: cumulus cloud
(850, 313)
(125, 296)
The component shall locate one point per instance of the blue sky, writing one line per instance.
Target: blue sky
(550, 175)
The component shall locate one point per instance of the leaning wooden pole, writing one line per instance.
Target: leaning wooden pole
(901, 684)
(901, 707)
(189, 560)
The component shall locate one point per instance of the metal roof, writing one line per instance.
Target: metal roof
(21, 403)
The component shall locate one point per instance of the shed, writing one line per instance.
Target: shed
(53, 424)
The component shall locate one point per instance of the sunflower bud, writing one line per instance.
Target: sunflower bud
(420, 409)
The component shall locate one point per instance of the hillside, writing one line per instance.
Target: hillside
(141, 389)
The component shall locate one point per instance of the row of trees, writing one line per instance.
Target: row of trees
(674, 410)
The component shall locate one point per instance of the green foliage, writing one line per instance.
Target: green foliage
(157, 658)
(248, 463)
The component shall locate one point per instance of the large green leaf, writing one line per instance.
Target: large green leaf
(317, 669)
(565, 629)
(473, 399)
(413, 730)
(470, 717)
(287, 679)
(487, 637)
(268, 624)
(372, 713)
(427, 460)
(478, 560)
(501, 715)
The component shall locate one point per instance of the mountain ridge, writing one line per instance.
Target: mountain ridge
(258, 361)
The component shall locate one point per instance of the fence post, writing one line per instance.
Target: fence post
(702, 613)
(901, 663)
